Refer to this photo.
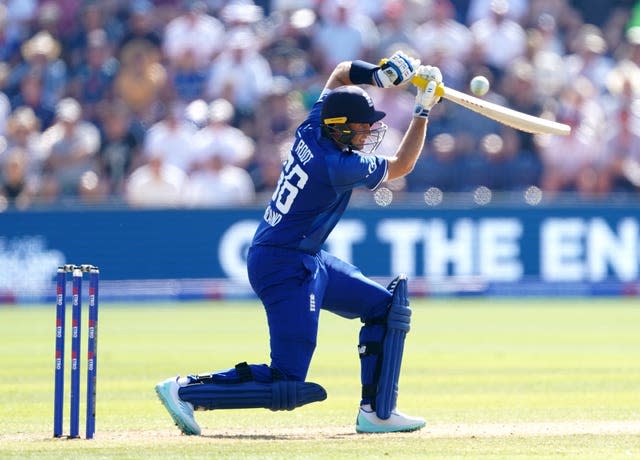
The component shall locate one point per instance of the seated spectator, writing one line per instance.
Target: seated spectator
(15, 187)
(342, 23)
(156, 184)
(509, 166)
(397, 25)
(119, 149)
(219, 183)
(280, 112)
(23, 133)
(141, 80)
(220, 135)
(142, 26)
(497, 27)
(193, 31)
(91, 16)
(443, 33)
(482, 9)
(569, 161)
(619, 170)
(437, 166)
(70, 147)
(172, 138)
(589, 58)
(92, 81)
(42, 58)
(9, 40)
(240, 74)
(31, 95)
(187, 79)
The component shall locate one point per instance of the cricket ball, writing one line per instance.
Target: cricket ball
(479, 85)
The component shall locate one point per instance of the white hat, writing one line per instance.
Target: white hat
(68, 109)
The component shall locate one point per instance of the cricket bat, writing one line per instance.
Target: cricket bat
(499, 113)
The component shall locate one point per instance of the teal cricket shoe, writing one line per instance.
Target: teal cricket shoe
(181, 412)
(368, 422)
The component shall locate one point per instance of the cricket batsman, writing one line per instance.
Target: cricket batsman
(332, 153)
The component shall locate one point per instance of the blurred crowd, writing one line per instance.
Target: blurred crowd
(193, 103)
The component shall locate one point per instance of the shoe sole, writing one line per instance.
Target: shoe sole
(161, 391)
(388, 429)
(368, 427)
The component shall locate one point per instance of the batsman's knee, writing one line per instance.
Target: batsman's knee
(399, 316)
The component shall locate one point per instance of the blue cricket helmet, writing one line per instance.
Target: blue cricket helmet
(349, 104)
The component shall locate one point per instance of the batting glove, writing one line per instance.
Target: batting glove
(427, 97)
(394, 71)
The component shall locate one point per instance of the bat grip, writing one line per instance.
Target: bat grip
(421, 83)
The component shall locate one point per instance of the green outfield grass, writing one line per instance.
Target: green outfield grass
(506, 378)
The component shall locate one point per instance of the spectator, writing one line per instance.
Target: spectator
(93, 80)
(219, 183)
(119, 149)
(499, 28)
(588, 58)
(342, 23)
(240, 74)
(94, 15)
(41, 55)
(141, 81)
(15, 188)
(219, 134)
(267, 164)
(509, 166)
(397, 26)
(156, 184)
(437, 166)
(483, 9)
(49, 19)
(171, 139)
(23, 133)
(20, 14)
(521, 93)
(574, 172)
(141, 26)
(443, 34)
(70, 147)
(195, 32)
(31, 95)
(619, 169)
(187, 79)
(9, 40)
(281, 111)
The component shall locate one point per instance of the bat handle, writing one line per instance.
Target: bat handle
(421, 83)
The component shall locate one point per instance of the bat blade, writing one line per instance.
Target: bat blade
(499, 113)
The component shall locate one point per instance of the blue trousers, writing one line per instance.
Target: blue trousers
(294, 287)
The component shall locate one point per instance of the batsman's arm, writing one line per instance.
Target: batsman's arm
(393, 71)
(412, 143)
(408, 152)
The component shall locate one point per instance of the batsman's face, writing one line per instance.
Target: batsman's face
(362, 132)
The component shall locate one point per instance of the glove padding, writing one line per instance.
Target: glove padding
(396, 70)
(426, 97)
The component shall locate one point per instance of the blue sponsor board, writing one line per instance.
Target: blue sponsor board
(200, 253)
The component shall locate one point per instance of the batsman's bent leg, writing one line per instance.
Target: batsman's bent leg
(381, 355)
(247, 387)
(398, 325)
